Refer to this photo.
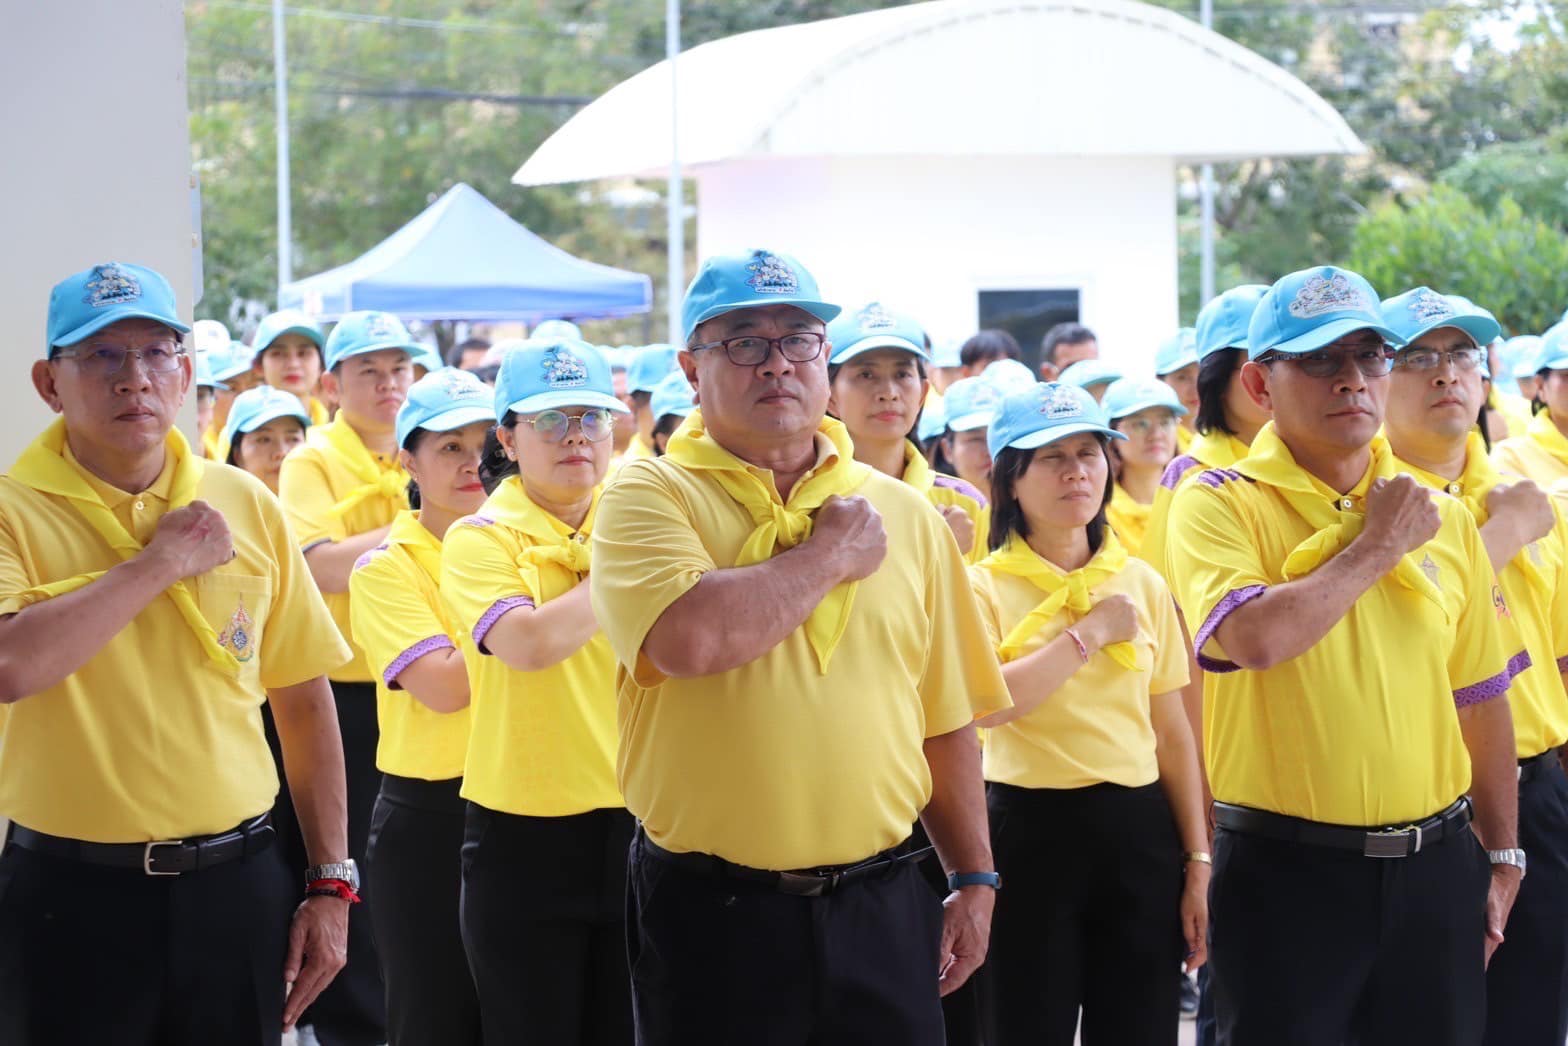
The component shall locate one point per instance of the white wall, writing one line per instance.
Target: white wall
(96, 167)
(926, 235)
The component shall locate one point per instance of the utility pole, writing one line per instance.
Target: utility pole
(280, 77)
(1206, 198)
(675, 195)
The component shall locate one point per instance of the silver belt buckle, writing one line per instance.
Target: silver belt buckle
(147, 868)
(1392, 842)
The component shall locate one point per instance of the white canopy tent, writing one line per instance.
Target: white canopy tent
(930, 154)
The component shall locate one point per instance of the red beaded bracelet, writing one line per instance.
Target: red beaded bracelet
(332, 888)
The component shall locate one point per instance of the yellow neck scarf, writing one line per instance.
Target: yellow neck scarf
(1271, 462)
(44, 468)
(318, 411)
(408, 532)
(1546, 435)
(552, 540)
(782, 525)
(1072, 592)
(339, 439)
(1218, 450)
(917, 471)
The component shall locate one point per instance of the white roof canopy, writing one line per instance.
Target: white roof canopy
(954, 78)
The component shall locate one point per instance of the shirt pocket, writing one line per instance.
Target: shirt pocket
(236, 606)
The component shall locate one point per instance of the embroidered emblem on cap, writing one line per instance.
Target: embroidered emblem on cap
(771, 274)
(564, 370)
(459, 384)
(1429, 305)
(111, 285)
(238, 637)
(382, 325)
(1334, 294)
(1058, 403)
(875, 318)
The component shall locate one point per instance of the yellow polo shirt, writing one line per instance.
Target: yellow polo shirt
(1184, 438)
(1362, 728)
(313, 480)
(776, 764)
(147, 740)
(1210, 450)
(398, 614)
(542, 743)
(1540, 454)
(1097, 727)
(1535, 585)
(943, 490)
(1128, 518)
(1514, 409)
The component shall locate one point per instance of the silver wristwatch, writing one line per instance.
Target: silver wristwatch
(348, 871)
(1514, 857)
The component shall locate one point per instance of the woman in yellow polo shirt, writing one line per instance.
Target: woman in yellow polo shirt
(265, 425)
(1541, 453)
(416, 650)
(878, 377)
(544, 852)
(1094, 791)
(1147, 413)
(289, 348)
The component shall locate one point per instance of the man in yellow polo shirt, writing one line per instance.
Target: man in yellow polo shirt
(341, 492)
(1355, 646)
(1435, 394)
(150, 603)
(800, 665)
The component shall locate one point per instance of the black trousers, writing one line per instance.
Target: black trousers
(1527, 983)
(961, 1014)
(1088, 918)
(414, 871)
(722, 962)
(1314, 945)
(542, 917)
(90, 954)
(352, 1009)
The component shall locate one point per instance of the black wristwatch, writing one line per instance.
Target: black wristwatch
(959, 880)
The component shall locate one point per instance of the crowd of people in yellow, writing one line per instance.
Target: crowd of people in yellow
(800, 684)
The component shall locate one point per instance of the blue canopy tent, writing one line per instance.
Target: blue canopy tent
(463, 258)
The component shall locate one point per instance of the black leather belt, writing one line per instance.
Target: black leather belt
(1536, 765)
(1405, 841)
(807, 882)
(170, 857)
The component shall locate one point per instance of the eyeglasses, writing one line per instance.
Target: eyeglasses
(597, 424)
(105, 359)
(1431, 359)
(752, 350)
(1146, 426)
(1371, 361)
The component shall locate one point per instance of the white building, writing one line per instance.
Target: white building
(976, 162)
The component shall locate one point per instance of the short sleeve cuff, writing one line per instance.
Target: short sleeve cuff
(1493, 687)
(412, 654)
(497, 609)
(1562, 662)
(1232, 602)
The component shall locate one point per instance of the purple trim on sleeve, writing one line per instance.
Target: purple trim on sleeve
(368, 555)
(954, 483)
(1223, 609)
(491, 616)
(476, 520)
(1218, 477)
(1485, 690)
(412, 654)
(1562, 663)
(1177, 469)
(1518, 663)
(314, 544)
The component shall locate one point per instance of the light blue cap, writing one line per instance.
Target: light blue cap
(726, 283)
(444, 400)
(207, 335)
(933, 421)
(1029, 418)
(232, 361)
(253, 408)
(368, 331)
(1009, 374)
(87, 302)
(541, 374)
(619, 356)
(1422, 310)
(1553, 353)
(1085, 373)
(1178, 351)
(1130, 395)
(286, 321)
(673, 395)
(970, 403)
(427, 357)
(1312, 308)
(1222, 323)
(204, 372)
(874, 326)
(547, 329)
(1523, 351)
(650, 365)
(947, 354)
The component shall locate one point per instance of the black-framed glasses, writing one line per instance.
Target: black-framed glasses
(597, 424)
(1431, 359)
(105, 359)
(1373, 361)
(750, 350)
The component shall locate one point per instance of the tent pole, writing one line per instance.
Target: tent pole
(675, 197)
(1206, 197)
(280, 76)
